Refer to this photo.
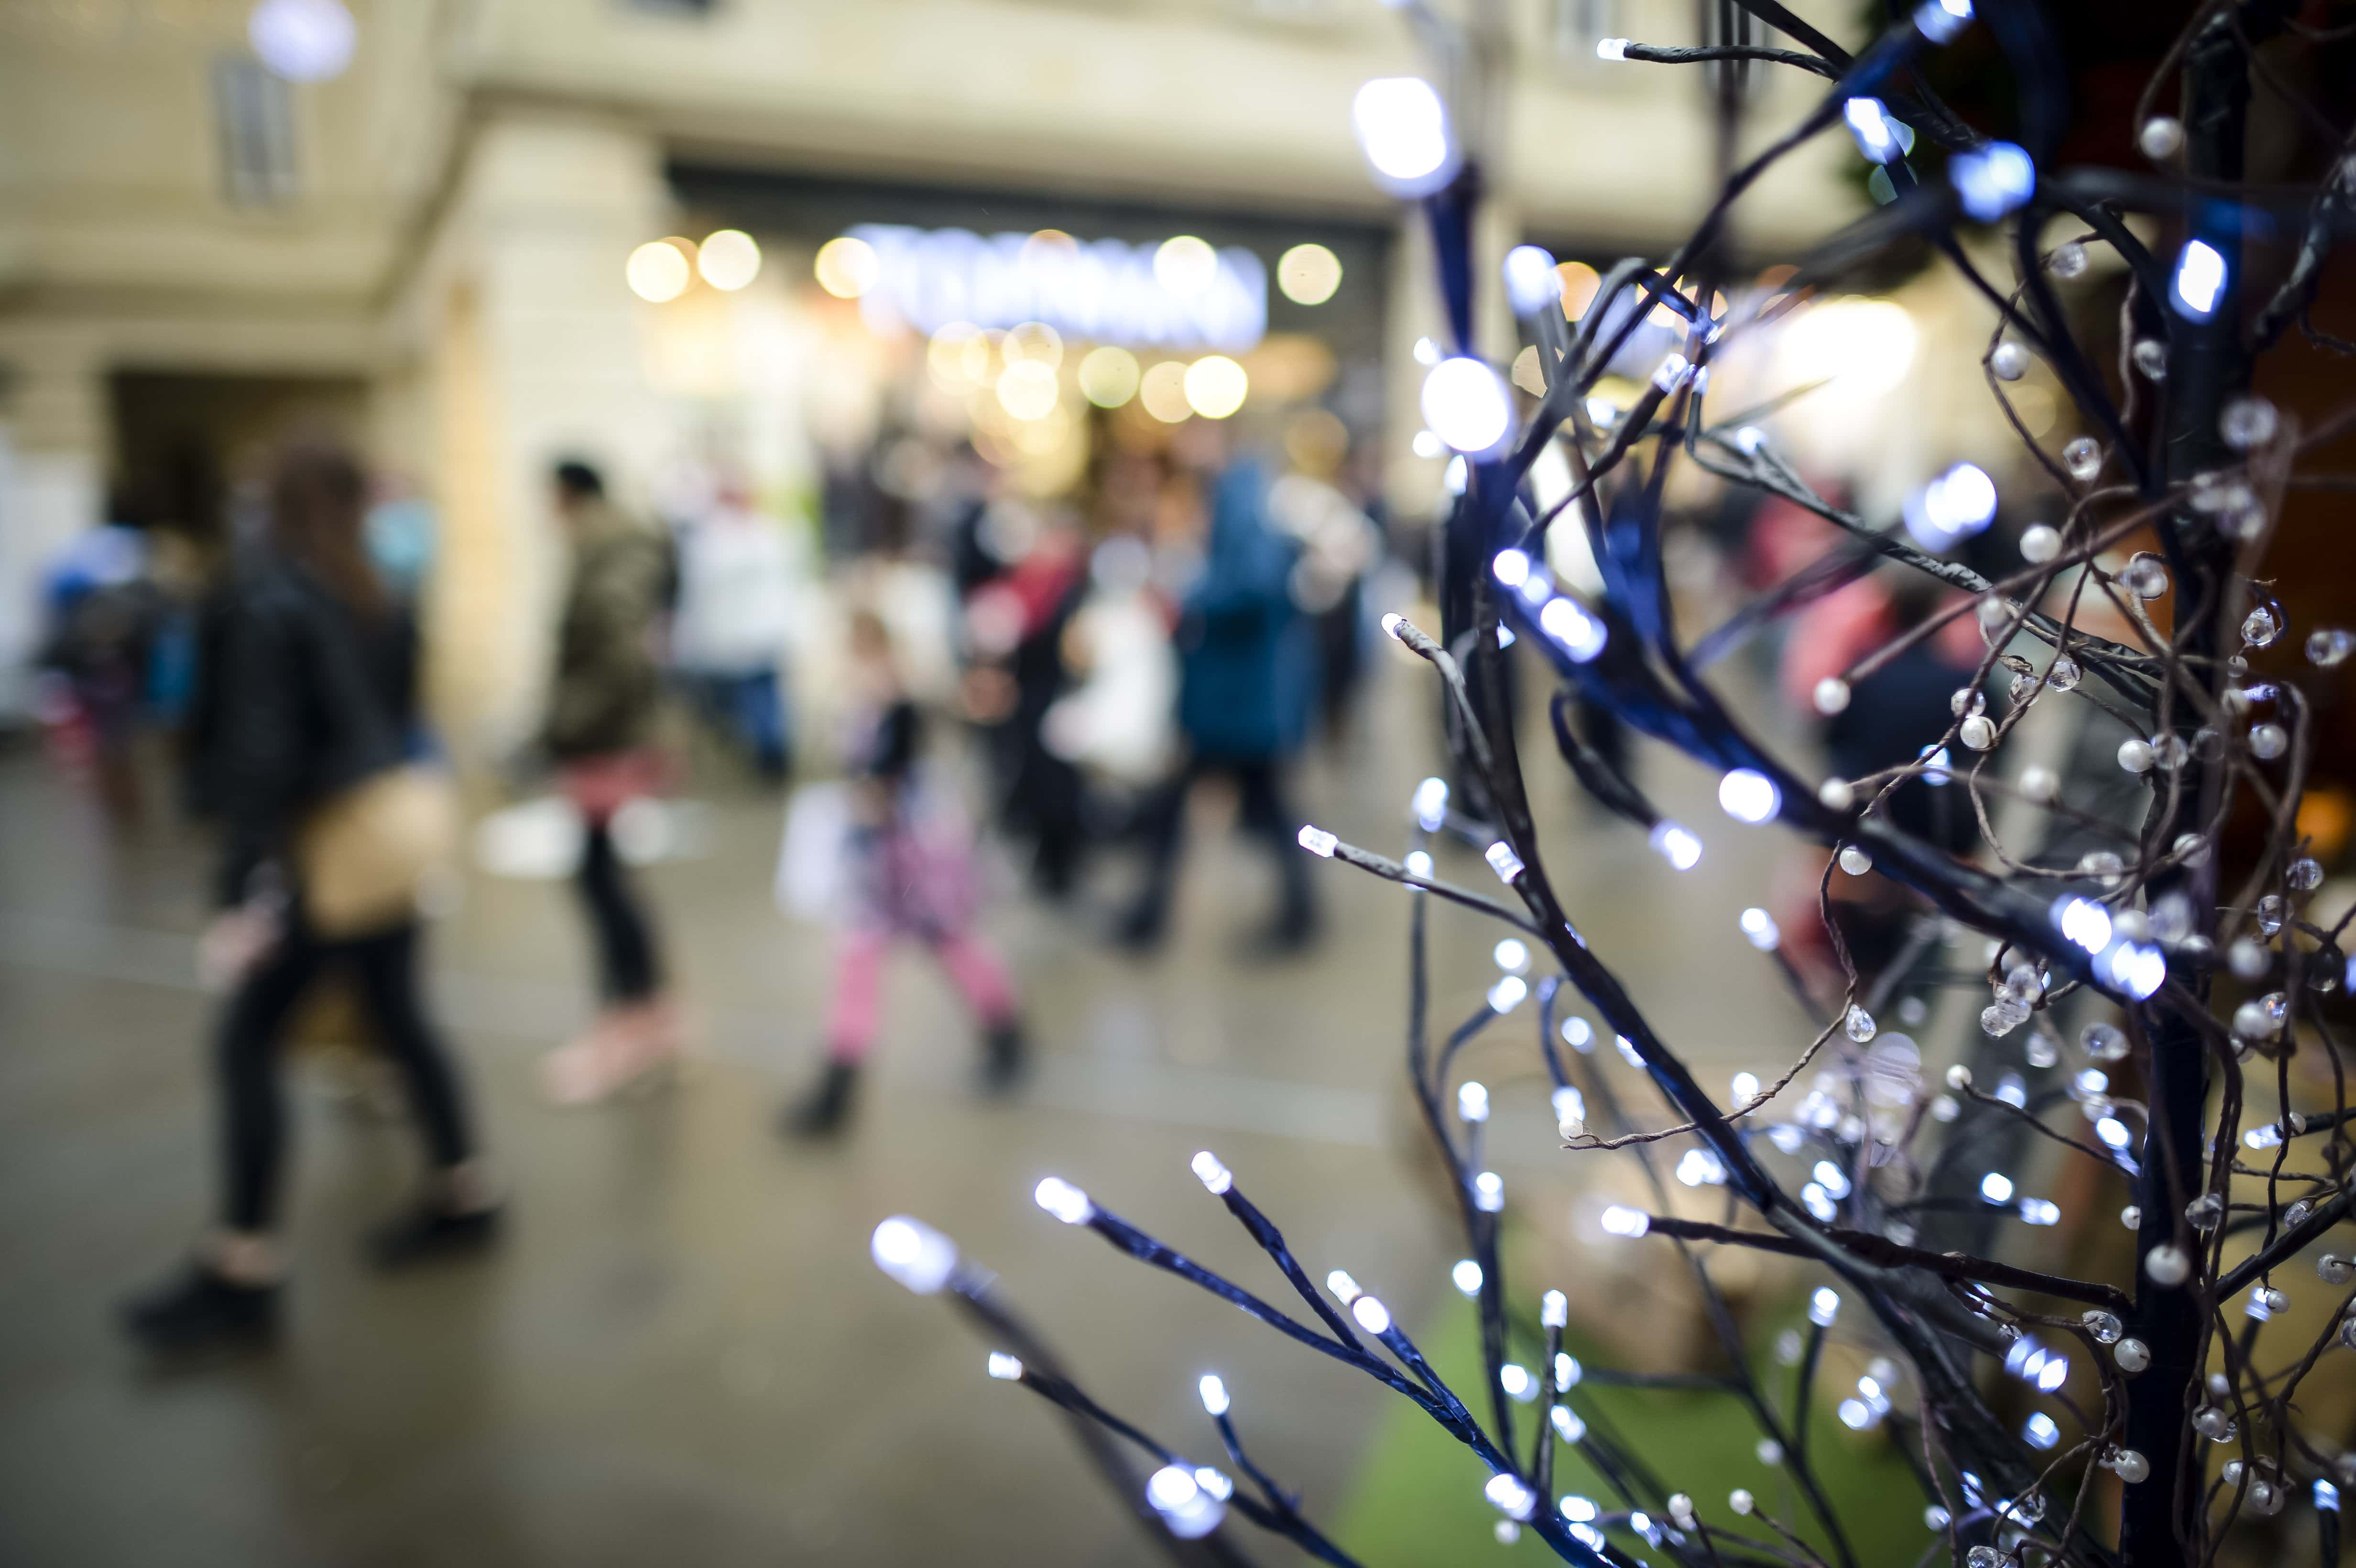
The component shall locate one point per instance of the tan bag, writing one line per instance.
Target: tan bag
(366, 857)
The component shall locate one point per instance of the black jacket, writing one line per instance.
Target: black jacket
(297, 697)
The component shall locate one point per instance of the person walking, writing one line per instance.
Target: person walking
(908, 856)
(304, 742)
(1247, 681)
(600, 731)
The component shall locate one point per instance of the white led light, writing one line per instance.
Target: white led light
(1214, 1175)
(1005, 1368)
(1996, 1188)
(1749, 795)
(2083, 921)
(1466, 1276)
(1824, 1305)
(1511, 568)
(1372, 1314)
(1317, 841)
(1473, 1102)
(1489, 1192)
(1612, 48)
(1511, 954)
(1870, 126)
(1531, 282)
(1402, 127)
(1567, 1424)
(1675, 845)
(1582, 636)
(1502, 861)
(1418, 864)
(1430, 805)
(1511, 1498)
(1064, 1201)
(2199, 280)
(1953, 506)
(1467, 405)
(1214, 1393)
(913, 1253)
(1517, 1382)
(1346, 1289)
(1993, 180)
(1187, 1512)
(1619, 1220)
(1578, 1510)
(1508, 992)
(1554, 1312)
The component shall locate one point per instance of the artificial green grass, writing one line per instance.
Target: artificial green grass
(1418, 1502)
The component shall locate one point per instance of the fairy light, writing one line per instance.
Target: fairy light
(1992, 180)
(2083, 921)
(1489, 1192)
(1346, 1289)
(2199, 282)
(1064, 1201)
(1567, 1424)
(914, 1253)
(1512, 954)
(1746, 794)
(1004, 1368)
(1402, 128)
(1745, 1088)
(1554, 1312)
(1582, 636)
(1824, 1305)
(1567, 1370)
(1512, 1497)
(1578, 1034)
(1532, 284)
(1517, 1382)
(1502, 861)
(1473, 1102)
(1215, 1178)
(1761, 928)
(1372, 1314)
(1466, 1277)
(1870, 123)
(1570, 1112)
(1214, 1393)
(1429, 804)
(1317, 841)
(2040, 1430)
(1619, 1220)
(1187, 1510)
(1467, 405)
(1674, 844)
(1996, 1188)
(1508, 993)
(1941, 20)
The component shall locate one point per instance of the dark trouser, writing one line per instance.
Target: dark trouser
(627, 966)
(1263, 810)
(252, 1102)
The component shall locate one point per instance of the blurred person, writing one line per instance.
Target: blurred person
(1339, 545)
(600, 731)
(909, 863)
(106, 618)
(1247, 678)
(304, 740)
(735, 610)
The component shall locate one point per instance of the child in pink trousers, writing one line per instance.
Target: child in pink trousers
(910, 874)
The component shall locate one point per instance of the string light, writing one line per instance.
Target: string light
(1005, 1368)
(1675, 845)
(914, 1253)
(1467, 405)
(1466, 1276)
(1402, 128)
(1215, 1178)
(1749, 795)
(2199, 280)
(1214, 1393)
(1064, 1201)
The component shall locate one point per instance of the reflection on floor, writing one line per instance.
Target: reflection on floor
(681, 1353)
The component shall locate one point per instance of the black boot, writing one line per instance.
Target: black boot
(825, 1108)
(432, 1231)
(201, 1309)
(1006, 1057)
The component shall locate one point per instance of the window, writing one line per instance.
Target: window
(254, 113)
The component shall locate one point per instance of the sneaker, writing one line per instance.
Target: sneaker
(822, 1112)
(199, 1309)
(1006, 1057)
(431, 1230)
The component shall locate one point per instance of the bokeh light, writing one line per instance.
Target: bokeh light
(1866, 345)
(945, 356)
(1108, 375)
(728, 260)
(659, 270)
(303, 40)
(1034, 341)
(1579, 282)
(1162, 391)
(847, 267)
(1215, 386)
(1027, 389)
(1186, 265)
(1308, 274)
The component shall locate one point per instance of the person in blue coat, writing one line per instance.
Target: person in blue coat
(1248, 685)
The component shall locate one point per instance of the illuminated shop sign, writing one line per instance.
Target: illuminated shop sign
(1103, 290)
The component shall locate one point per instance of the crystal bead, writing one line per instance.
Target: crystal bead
(2270, 1298)
(2104, 1043)
(2205, 1212)
(2329, 646)
(2150, 357)
(1859, 1025)
(2268, 742)
(2082, 457)
(2272, 912)
(2214, 1424)
(2069, 260)
(2248, 423)
(2010, 361)
(2105, 1326)
(2260, 626)
(2040, 1051)
(2306, 874)
(2263, 1499)
(2134, 755)
(2002, 1018)
(2101, 863)
(2063, 673)
(2145, 575)
(1855, 861)
(1966, 700)
(2160, 138)
(1984, 1557)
